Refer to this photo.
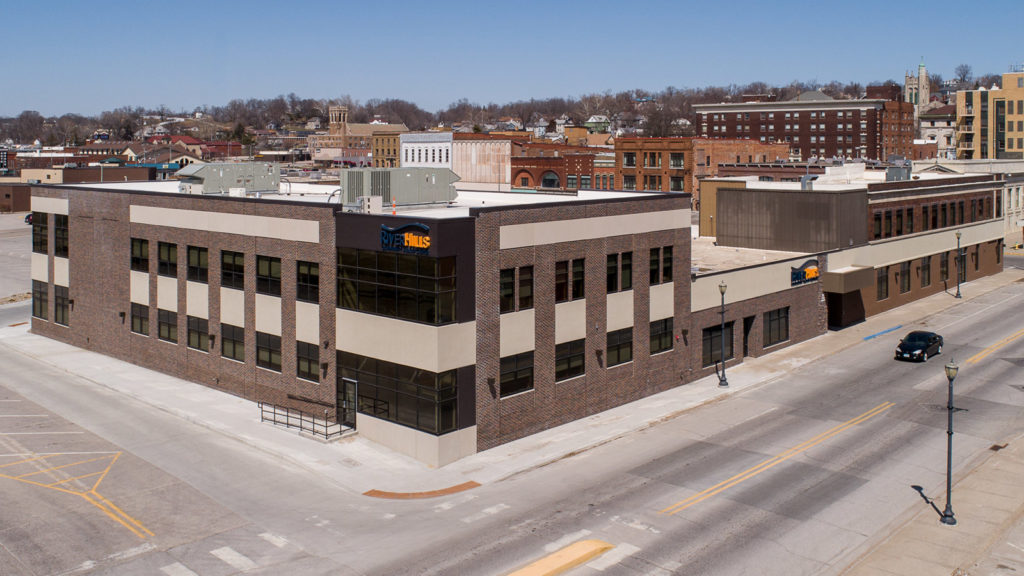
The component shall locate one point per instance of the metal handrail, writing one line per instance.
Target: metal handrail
(305, 422)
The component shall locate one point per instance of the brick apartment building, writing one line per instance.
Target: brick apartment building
(990, 122)
(446, 329)
(816, 125)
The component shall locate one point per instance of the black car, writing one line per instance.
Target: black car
(919, 345)
(28, 218)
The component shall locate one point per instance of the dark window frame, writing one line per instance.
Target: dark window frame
(139, 323)
(139, 255)
(232, 342)
(268, 275)
(619, 347)
(661, 336)
(776, 326)
(60, 235)
(40, 300)
(61, 305)
(307, 281)
(414, 288)
(232, 270)
(167, 259)
(167, 325)
(711, 344)
(198, 333)
(515, 374)
(307, 361)
(40, 233)
(198, 264)
(268, 351)
(572, 357)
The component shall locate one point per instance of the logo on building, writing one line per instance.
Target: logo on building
(410, 238)
(807, 272)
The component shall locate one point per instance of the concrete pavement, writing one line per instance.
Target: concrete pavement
(987, 505)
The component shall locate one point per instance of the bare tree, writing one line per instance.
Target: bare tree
(962, 73)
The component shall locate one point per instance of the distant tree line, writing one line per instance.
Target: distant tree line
(659, 111)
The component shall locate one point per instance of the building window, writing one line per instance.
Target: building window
(661, 265)
(507, 288)
(675, 160)
(268, 275)
(585, 181)
(140, 255)
(776, 326)
(167, 325)
(882, 283)
(570, 181)
(60, 235)
(167, 259)
(944, 267)
(620, 347)
(60, 305)
(232, 342)
(140, 319)
(198, 264)
(926, 271)
(232, 270)
(661, 336)
(40, 239)
(567, 288)
(711, 344)
(628, 182)
(307, 361)
(910, 220)
(629, 159)
(516, 374)
(877, 233)
(268, 351)
(406, 286)
(308, 282)
(620, 272)
(569, 359)
(40, 299)
(904, 277)
(198, 333)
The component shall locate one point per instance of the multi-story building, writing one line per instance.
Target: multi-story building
(938, 125)
(482, 161)
(1012, 172)
(816, 125)
(677, 164)
(426, 149)
(385, 148)
(449, 327)
(990, 122)
(891, 238)
(917, 89)
(346, 143)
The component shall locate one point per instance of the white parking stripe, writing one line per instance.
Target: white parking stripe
(566, 540)
(274, 539)
(236, 560)
(614, 556)
(35, 433)
(22, 415)
(177, 569)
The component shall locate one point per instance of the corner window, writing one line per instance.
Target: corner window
(620, 347)
(198, 264)
(268, 351)
(140, 255)
(167, 259)
(516, 374)
(569, 359)
(268, 275)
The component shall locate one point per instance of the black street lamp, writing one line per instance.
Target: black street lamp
(959, 268)
(722, 382)
(947, 514)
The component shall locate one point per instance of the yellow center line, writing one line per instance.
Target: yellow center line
(775, 460)
(981, 355)
(73, 479)
(22, 461)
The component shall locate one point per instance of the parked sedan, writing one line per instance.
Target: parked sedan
(919, 345)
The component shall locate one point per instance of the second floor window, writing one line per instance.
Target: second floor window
(60, 235)
(620, 272)
(308, 282)
(569, 280)
(232, 270)
(661, 265)
(40, 240)
(516, 289)
(198, 264)
(140, 255)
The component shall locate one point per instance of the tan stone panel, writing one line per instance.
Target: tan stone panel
(139, 287)
(197, 300)
(570, 321)
(167, 293)
(40, 267)
(582, 229)
(517, 332)
(60, 271)
(268, 314)
(307, 322)
(50, 205)
(232, 307)
(662, 300)
(241, 224)
(620, 310)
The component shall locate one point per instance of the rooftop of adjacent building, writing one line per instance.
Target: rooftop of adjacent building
(852, 176)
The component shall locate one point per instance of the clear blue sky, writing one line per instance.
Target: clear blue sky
(86, 57)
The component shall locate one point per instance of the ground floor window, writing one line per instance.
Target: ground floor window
(167, 325)
(661, 335)
(776, 326)
(61, 305)
(944, 266)
(40, 299)
(412, 397)
(198, 333)
(926, 271)
(308, 361)
(711, 344)
(140, 319)
(569, 359)
(516, 373)
(232, 342)
(904, 277)
(620, 346)
(268, 351)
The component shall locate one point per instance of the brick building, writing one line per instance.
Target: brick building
(816, 125)
(443, 330)
(990, 122)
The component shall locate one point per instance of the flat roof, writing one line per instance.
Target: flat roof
(706, 256)
(460, 207)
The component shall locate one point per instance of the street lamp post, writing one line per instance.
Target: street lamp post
(959, 267)
(722, 381)
(947, 514)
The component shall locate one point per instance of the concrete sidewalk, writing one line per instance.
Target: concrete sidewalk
(358, 465)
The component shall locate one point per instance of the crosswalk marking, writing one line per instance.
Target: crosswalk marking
(485, 513)
(614, 556)
(566, 540)
(177, 569)
(232, 557)
(274, 539)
